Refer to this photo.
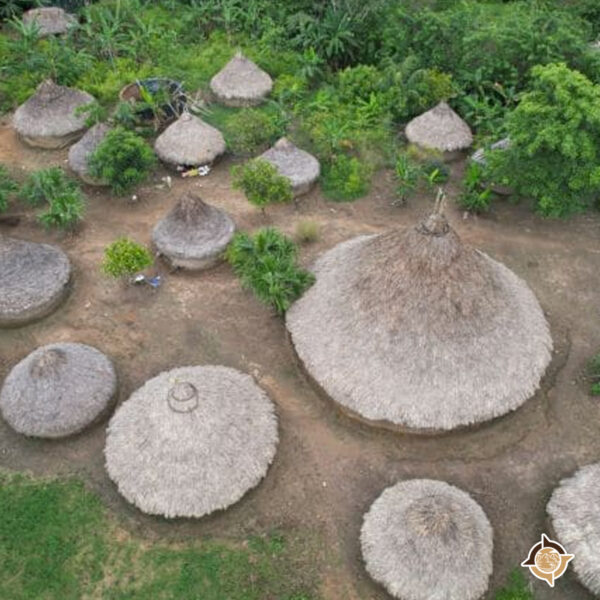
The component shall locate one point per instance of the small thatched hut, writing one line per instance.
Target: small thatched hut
(480, 158)
(414, 329)
(34, 280)
(81, 151)
(191, 441)
(241, 83)
(424, 539)
(48, 119)
(194, 234)
(440, 129)
(300, 167)
(58, 390)
(50, 20)
(575, 513)
(190, 142)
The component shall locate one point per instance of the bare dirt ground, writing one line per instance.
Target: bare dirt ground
(329, 469)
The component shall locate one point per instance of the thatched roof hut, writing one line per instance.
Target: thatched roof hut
(190, 142)
(241, 83)
(440, 129)
(575, 513)
(48, 119)
(50, 20)
(423, 539)
(300, 167)
(58, 390)
(194, 234)
(34, 280)
(191, 441)
(414, 329)
(81, 151)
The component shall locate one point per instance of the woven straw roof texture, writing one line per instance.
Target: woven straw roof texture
(81, 151)
(51, 20)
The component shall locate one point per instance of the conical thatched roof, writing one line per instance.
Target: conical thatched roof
(81, 151)
(48, 120)
(575, 512)
(34, 280)
(427, 540)
(191, 441)
(58, 390)
(439, 129)
(416, 329)
(189, 141)
(51, 20)
(194, 234)
(241, 83)
(300, 167)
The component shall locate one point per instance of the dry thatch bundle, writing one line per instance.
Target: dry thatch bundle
(191, 441)
(241, 83)
(575, 513)
(50, 20)
(416, 329)
(189, 141)
(80, 152)
(58, 390)
(300, 167)
(428, 540)
(440, 129)
(34, 280)
(48, 120)
(194, 234)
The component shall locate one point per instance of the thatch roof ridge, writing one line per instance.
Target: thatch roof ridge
(51, 20)
(213, 437)
(58, 390)
(80, 152)
(422, 535)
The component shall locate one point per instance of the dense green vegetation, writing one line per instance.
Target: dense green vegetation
(261, 183)
(125, 257)
(516, 589)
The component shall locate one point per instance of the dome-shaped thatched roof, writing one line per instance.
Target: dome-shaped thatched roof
(191, 441)
(81, 151)
(34, 280)
(189, 141)
(575, 512)
(51, 20)
(300, 167)
(428, 540)
(48, 120)
(241, 83)
(58, 390)
(439, 129)
(415, 329)
(194, 234)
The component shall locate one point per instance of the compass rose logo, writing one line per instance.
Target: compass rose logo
(547, 560)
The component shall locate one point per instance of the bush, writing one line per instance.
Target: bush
(408, 174)
(7, 187)
(251, 129)
(125, 257)
(476, 196)
(345, 178)
(122, 159)
(593, 373)
(266, 263)
(307, 231)
(517, 588)
(261, 183)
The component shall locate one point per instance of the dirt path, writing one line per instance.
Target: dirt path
(328, 469)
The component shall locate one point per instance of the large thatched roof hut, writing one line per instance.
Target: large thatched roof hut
(48, 119)
(241, 83)
(189, 141)
(415, 329)
(50, 20)
(34, 280)
(80, 152)
(300, 167)
(191, 441)
(440, 129)
(58, 390)
(194, 234)
(424, 539)
(574, 509)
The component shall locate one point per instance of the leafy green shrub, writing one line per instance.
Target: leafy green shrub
(251, 129)
(125, 257)
(476, 195)
(266, 263)
(517, 588)
(408, 174)
(7, 187)
(345, 178)
(262, 183)
(307, 231)
(123, 159)
(554, 155)
(436, 172)
(593, 373)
